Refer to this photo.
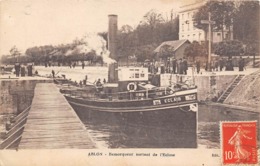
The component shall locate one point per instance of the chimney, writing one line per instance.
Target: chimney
(112, 36)
(112, 47)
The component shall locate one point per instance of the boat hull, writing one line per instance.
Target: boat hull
(172, 125)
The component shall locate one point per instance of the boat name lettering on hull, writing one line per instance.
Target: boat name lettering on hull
(167, 100)
(172, 99)
(190, 97)
(157, 102)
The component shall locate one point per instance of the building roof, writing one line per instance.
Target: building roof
(175, 44)
(192, 6)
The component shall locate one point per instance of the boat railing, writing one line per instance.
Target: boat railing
(126, 95)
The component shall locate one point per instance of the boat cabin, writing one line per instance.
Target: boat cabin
(133, 83)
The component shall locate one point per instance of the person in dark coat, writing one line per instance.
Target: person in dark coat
(29, 69)
(17, 68)
(241, 64)
(83, 64)
(98, 83)
(198, 66)
(185, 66)
(229, 65)
(180, 66)
(53, 73)
(221, 64)
(174, 65)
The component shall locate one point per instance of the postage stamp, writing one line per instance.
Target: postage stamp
(238, 142)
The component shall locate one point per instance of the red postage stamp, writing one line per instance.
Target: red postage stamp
(238, 141)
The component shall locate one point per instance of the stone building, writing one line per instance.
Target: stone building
(188, 31)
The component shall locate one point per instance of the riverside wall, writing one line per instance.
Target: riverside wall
(16, 95)
(207, 89)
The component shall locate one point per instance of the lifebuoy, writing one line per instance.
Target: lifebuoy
(131, 87)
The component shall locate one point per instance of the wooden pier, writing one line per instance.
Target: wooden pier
(52, 123)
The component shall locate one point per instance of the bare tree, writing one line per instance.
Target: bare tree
(15, 53)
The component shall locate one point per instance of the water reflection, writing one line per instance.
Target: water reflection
(149, 129)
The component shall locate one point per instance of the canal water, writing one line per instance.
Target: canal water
(109, 135)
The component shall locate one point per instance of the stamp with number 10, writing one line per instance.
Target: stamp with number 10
(238, 141)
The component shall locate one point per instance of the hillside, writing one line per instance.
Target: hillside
(247, 93)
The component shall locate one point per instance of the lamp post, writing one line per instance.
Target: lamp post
(209, 22)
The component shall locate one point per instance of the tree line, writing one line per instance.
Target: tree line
(139, 42)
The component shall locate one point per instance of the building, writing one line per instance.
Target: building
(191, 33)
(178, 47)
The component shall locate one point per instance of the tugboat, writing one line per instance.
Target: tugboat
(139, 103)
(135, 98)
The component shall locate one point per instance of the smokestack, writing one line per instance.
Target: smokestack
(112, 36)
(112, 47)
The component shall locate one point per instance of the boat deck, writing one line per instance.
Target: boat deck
(52, 123)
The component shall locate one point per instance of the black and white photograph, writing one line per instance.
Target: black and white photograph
(134, 82)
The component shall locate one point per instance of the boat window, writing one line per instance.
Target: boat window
(139, 94)
(136, 75)
(142, 74)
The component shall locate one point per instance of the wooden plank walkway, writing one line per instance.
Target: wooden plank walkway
(52, 123)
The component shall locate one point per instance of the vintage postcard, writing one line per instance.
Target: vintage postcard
(120, 82)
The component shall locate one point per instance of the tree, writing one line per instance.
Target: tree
(14, 52)
(147, 36)
(126, 29)
(194, 50)
(167, 31)
(152, 19)
(144, 52)
(222, 12)
(229, 48)
(246, 22)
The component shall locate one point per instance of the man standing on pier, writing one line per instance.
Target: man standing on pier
(221, 64)
(83, 64)
(53, 73)
(174, 65)
(17, 68)
(185, 66)
(241, 64)
(198, 66)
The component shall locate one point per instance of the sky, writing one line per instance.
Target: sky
(28, 23)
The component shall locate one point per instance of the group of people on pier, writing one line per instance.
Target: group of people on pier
(227, 65)
(180, 66)
(175, 66)
(21, 70)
